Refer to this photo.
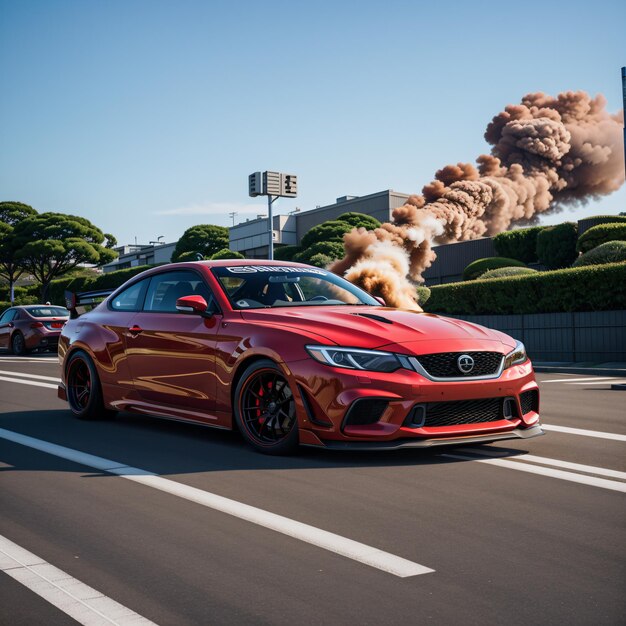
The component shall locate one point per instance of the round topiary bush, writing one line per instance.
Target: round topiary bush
(556, 245)
(331, 249)
(423, 293)
(600, 234)
(480, 266)
(503, 272)
(286, 253)
(609, 252)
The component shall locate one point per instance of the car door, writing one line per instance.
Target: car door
(171, 355)
(6, 326)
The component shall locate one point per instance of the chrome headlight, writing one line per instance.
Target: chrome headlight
(517, 356)
(356, 359)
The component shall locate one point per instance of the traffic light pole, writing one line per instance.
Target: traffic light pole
(270, 220)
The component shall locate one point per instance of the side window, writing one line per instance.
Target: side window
(7, 316)
(166, 288)
(131, 298)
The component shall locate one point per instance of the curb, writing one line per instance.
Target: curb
(592, 371)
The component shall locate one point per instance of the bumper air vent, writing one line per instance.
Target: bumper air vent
(435, 414)
(529, 401)
(365, 411)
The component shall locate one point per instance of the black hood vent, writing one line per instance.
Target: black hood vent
(372, 316)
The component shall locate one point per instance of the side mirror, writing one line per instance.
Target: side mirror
(379, 299)
(196, 305)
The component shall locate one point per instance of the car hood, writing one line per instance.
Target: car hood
(384, 327)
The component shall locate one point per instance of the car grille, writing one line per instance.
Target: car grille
(444, 364)
(529, 401)
(458, 412)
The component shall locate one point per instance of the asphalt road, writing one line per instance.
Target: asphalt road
(535, 541)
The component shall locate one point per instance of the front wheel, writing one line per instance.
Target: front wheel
(265, 409)
(84, 393)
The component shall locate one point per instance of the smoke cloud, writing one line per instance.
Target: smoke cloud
(548, 153)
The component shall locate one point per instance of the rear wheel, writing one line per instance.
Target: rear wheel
(18, 344)
(84, 392)
(265, 409)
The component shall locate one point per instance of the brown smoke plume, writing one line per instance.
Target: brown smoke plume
(547, 153)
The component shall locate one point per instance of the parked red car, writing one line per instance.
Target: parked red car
(32, 327)
(289, 354)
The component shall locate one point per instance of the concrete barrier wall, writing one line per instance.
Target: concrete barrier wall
(598, 336)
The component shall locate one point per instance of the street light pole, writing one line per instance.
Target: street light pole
(270, 221)
(274, 185)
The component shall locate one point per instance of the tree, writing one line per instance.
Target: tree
(50, 244)
(207, 239)
(332, 250)
(227, 254)
(358, 220)
(332, 230)
(11, 214)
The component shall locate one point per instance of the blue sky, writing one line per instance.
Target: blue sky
(147, 116)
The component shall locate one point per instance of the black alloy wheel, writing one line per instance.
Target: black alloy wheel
(18, 344)
(84, 393)
(265, 409)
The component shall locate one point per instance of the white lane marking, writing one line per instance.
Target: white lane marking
(81, 602)
(531, 458)
(28, 382)
(573, 380)
(343, 546)
(585, 433)
(24, 375)
(20, 360)
(602, 382)
(603, 483)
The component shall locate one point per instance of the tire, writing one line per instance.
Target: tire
(267, 419)
(84, 392)
(18, 344)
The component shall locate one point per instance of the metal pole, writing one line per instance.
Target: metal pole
(270, 220)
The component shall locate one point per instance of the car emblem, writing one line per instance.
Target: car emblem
(465, 363)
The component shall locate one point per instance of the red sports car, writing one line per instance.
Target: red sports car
(33, 327)
(289, 354)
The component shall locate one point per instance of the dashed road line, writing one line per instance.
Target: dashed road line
(592, 481)
(542, 460)
(83, 603)
(583, 432)
(25, 375)
(24, 381)
(343, 546)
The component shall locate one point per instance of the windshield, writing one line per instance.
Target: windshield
(48, 311)
(273, 286)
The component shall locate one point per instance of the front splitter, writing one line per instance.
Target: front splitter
(518, 433)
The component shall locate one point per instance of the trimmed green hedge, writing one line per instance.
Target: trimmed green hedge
(609, 252)
(599, 234)
(592, 288)
(507, 271)
(112, 280)
(477, 268)
(520, 244)
(556, 245)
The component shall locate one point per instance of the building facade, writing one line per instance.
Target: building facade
(251, 237)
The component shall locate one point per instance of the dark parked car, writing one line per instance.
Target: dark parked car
(32, 327)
